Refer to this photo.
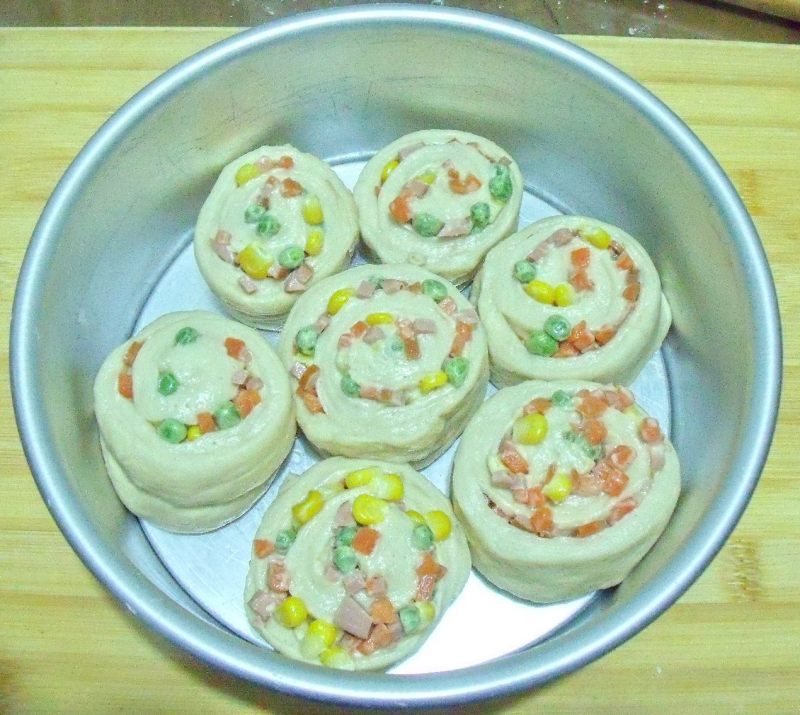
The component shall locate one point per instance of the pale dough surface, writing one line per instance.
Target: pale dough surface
(224, 209)
(457, 258)
(416, 432)
(394, 557)
(562, 567)
(199, 485)
(509, 314)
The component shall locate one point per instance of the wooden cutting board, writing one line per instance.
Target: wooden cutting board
(731, 644)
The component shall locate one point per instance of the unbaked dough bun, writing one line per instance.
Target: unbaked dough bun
(195, 416)
(276, 221)
(570, 297)
(354, 563)
(438, 199)
(389, 362)
(562, 487)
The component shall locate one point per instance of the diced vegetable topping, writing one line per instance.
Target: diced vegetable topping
(597, 236)
(186, 335)
(439, 524)
(388, 168)
(426, 224)
(432, 382)
(530, 429)
(307, 509)
(255, 261)
(422, 537)
(312, 211)
(369, 510)
(542, 344)
(500, 186)
(387, 486)
(557, 327)
(338, 299)
(344, 558)
(285, 539)
(227, 416)
(410, 618)
(315, 240)
(558, 488)
(306, 340)
(434, 289)
(563, 295)
(524, 272)
(456, 370)
(172, 430)
(254, 213)
(268, 226)
(167, 383)
(540, 291)
(350, 387)
(245, 173)
(291, 257)
(480, 214)
(291, 612)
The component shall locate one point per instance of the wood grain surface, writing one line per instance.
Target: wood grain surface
(732, 642)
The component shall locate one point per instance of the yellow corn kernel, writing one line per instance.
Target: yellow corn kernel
(427, 178)
(319, 636)
(338, 299)
(558, 488)
(540, 291)
(388, 486)
(314, 242)
(563, 295)
(426, 610)
(324, 630)
(380, 318)
(193, 432)
(336, 657)
(415, 516)
(291, 612)
(307, 509)
(432, 382)
(360, 477)
(439, 524)
(254, 261)
(597, 236)
(368, 509)
(529, 429)
(312, 211)
(388, 168)
(245, 173)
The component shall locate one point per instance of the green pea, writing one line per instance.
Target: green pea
(254, 213)
(524, 271)
(227, 416)
(268, 226)
(500, 186)
(345, 535)
(172, 430)
(186, 335)
(557, 327)
(350, 387)
(167, 383)
(594, 452)
(422, 537)
(306, 340)
(410, 618)
(540, 343)
(291, 257)
(285, 539)
(561, 399)
(426, 224)
(480, 215)
(456, 370)
(434, 289)
(344, 558)
(394, 346)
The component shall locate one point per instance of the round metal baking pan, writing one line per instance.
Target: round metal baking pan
(109, 253)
